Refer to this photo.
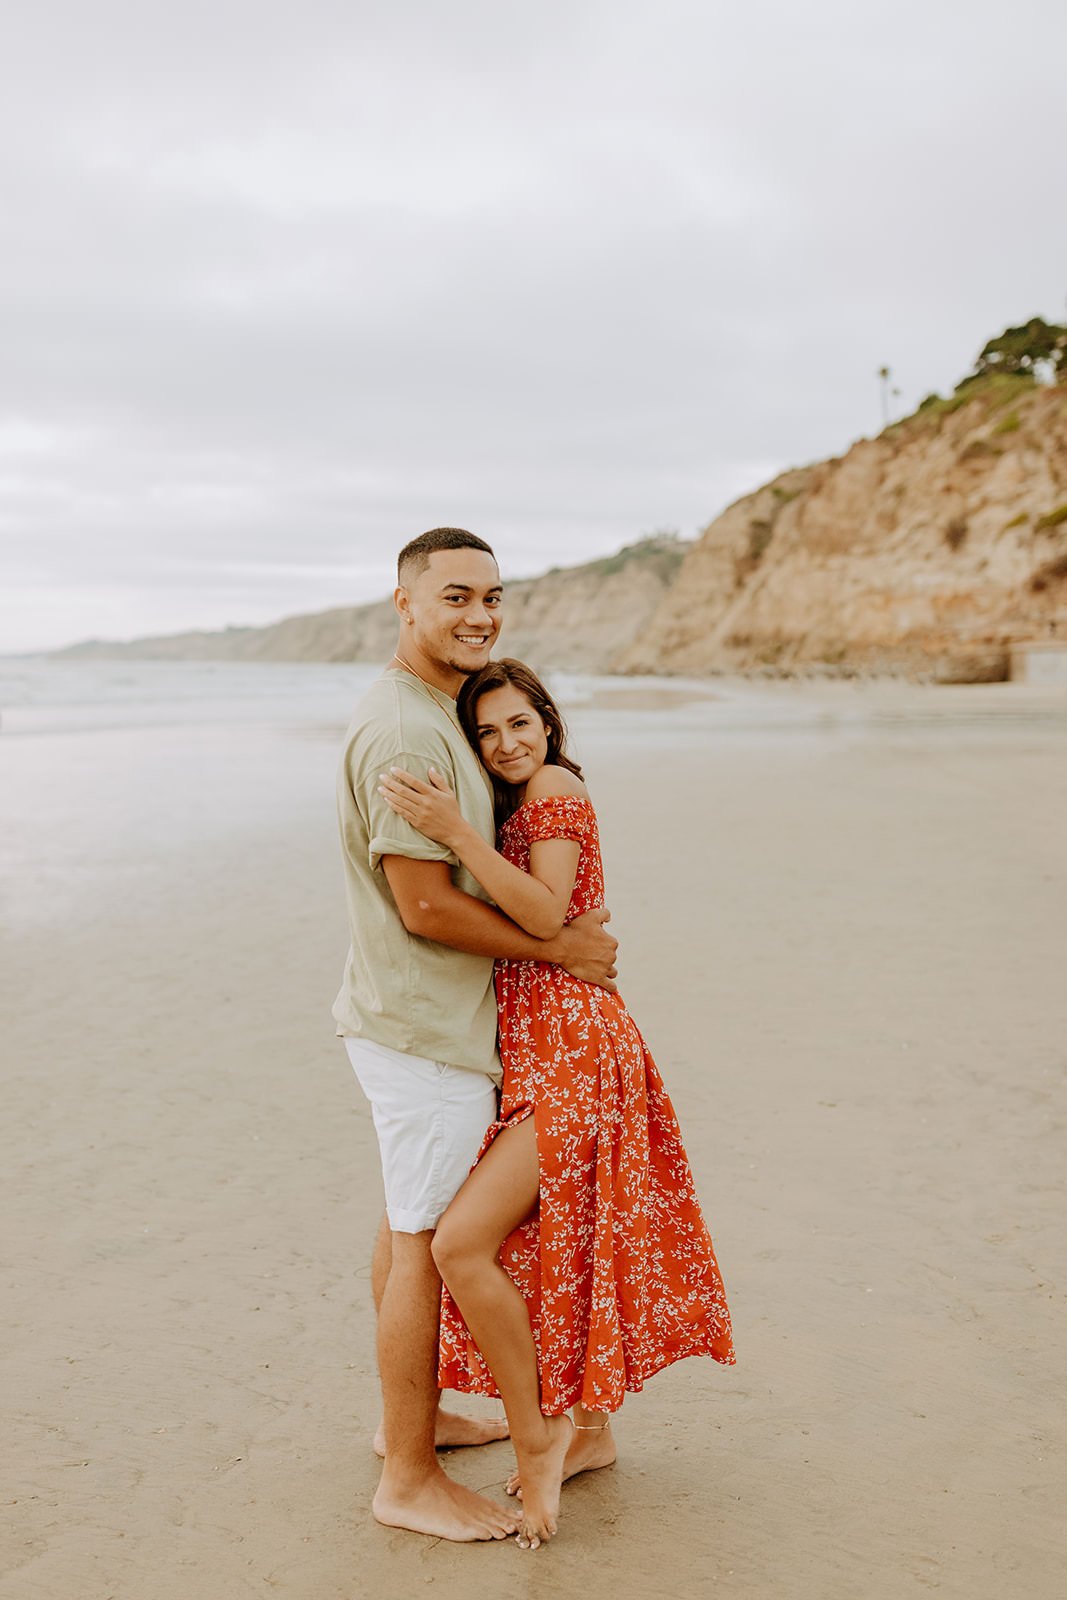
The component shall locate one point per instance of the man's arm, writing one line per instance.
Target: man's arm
(431, 907)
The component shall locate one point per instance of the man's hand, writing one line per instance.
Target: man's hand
(586, 950)
(431, 907)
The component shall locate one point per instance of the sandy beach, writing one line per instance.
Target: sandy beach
(842, 915)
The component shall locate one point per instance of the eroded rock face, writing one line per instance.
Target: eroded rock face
(580, 619)
(929, 550)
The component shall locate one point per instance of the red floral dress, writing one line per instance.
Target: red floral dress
(616, 1266)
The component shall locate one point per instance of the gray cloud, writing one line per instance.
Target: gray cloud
(279, 288)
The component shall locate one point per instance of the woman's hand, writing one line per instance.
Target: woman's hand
(430, 807)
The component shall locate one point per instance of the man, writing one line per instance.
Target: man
(417, 1006)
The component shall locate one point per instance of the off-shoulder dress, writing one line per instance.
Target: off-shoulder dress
(616, 1265)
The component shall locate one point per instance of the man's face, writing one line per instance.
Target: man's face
(451, 611)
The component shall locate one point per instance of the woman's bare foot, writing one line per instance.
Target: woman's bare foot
(542, 1474)
(454, 1432)
(588, 1450)
(443, 1509)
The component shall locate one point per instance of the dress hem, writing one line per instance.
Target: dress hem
(464, 1382)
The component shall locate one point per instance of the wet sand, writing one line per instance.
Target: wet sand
(843, 937)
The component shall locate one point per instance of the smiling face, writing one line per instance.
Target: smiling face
(450, 616)
(512, 738)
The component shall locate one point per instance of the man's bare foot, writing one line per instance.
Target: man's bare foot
(588, 1450)
(542, 1474)
(454, 1432)
(444, 1510)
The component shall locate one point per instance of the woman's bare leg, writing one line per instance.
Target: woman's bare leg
(451, 1429)
(593, 1446)
(501, 1193)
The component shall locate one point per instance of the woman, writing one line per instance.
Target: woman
(575, 1259)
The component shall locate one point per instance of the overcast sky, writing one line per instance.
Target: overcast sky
(281, 285)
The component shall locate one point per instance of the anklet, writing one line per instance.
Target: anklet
(589, 1427)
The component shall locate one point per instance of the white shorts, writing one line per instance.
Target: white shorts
(430, 1120)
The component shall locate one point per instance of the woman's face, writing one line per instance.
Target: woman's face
(512, 740)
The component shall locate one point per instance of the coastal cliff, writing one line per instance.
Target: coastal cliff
(926, 551)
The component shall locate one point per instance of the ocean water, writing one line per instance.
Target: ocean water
(39, 695)
(112, 773)
(64, 696)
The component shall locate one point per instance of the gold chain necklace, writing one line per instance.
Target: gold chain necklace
(433, 694)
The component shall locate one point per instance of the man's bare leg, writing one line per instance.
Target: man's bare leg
(451, 1431)
(413, 1492)
(381, 1261)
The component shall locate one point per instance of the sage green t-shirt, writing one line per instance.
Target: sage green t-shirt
(411, 994)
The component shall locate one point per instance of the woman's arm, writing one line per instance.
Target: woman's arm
(537, 902)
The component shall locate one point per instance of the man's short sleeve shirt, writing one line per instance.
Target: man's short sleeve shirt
(399, 990)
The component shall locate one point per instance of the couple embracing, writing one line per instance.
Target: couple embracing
(531, 1157)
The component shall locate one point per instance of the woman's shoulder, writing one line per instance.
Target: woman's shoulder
(556, 806)
(550, 783)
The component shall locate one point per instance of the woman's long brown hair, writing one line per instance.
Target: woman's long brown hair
(498, 675)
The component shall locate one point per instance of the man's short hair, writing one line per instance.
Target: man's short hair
(415, 556)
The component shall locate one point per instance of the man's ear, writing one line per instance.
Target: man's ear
(402, 603)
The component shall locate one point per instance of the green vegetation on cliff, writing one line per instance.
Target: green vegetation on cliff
(660, 554)
(1008, 368)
